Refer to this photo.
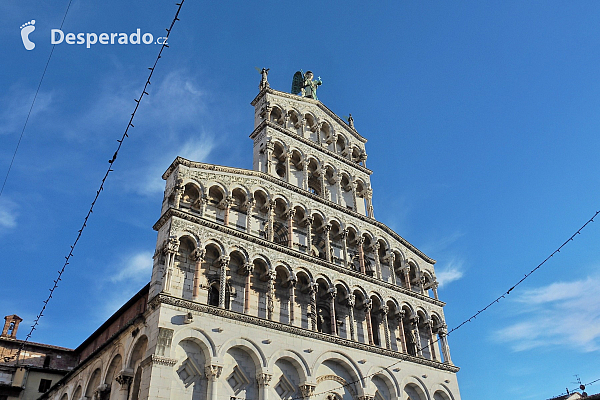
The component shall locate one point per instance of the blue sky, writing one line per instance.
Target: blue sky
(482, 120)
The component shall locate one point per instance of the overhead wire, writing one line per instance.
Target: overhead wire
(101, 188)
(474, 316)
(32, 103)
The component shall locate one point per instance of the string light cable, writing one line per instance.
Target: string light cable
(32, 104)
(100, 189)
(470, 319)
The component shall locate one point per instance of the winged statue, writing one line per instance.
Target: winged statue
(304, 85)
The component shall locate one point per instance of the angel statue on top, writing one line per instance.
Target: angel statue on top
(303, 84)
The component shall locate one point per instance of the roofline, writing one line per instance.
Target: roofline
(28, 343)
(114, 317)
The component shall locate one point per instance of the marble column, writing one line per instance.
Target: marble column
(443, 332)
(422, 285)
(247, 269)
(203, 202)
(377, 261)
(223, 262)
(338, 188)
(331, 294)
(227, 207)
(432, 343)
(361, 254)
(309, 221)
(271, 276)
(271, 217)
(324, 184)
(263, 380)
(351, 301)
(344, 235)
(368, 305)
(213, 372)
(417, 336)
(368, 199)
(307, 390)
(386, 328)
(292, 306)
(291, 214)
(354, 196)
(171, 249)
(198, 257)
(313, 288)
(124, 379)
(249, 206)
(391, 261)
(288, 158)
(306, 175)
(402, 337)
(270, 147)
(326, 230)
(178, 191)
(406, 271)
(434, 288)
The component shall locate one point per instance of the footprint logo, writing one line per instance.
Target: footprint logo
(26, 29)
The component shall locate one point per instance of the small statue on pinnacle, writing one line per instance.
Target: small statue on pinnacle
(263, 80)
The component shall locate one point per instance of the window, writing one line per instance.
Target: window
(47, 361)
(44, 385)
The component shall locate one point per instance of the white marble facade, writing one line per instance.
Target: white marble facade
(278, 283)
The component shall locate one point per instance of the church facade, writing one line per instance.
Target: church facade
(276, 282)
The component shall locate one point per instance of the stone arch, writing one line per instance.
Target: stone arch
(215, 244)
(137, 351)
(78, 393)
(441, 392)
(348, 365)
(277, 114)
(341, 145)
(303, 271)
(114, 367)
(253, 350)
(64, 397)
(201, 338)
(192, 193)
(387, 378)
(93, 381)
(295, 359)
(261, 258)
(414, 388)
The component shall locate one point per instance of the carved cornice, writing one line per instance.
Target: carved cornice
(162, 298)
(218, 168)
(173, 212)
(322, 106)
(159, 360)
(310, 143)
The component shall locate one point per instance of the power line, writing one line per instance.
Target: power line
(108, 171)
(497, 300)
(32, 103)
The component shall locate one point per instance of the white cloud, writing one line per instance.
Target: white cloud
(450, 272)
(8, 214)
(16, 105)
(134, 268)
(560, 314)
(196, 149)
